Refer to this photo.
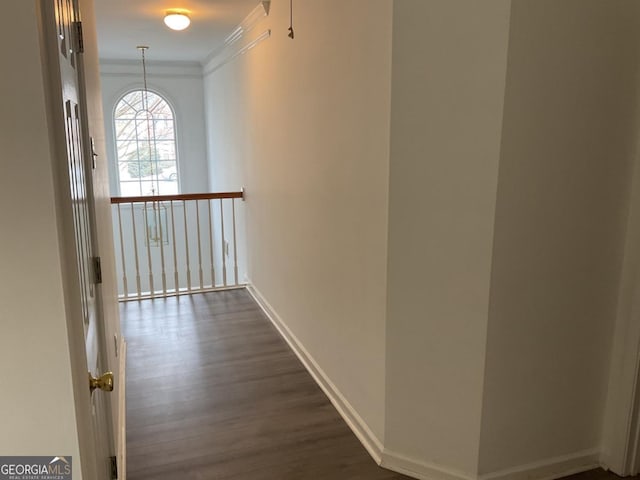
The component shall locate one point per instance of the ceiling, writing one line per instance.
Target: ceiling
(125, 24)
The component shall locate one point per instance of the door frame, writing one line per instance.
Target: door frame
(89, 456)
(116, 346)
(621, 428)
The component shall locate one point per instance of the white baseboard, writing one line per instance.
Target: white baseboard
(551, 468)
(421, 470)
(348, 413)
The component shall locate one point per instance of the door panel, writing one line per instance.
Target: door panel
(79, 188)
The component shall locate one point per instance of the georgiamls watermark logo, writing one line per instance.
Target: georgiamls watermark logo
(35, 468)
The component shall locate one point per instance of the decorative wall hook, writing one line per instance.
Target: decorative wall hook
(291, 33)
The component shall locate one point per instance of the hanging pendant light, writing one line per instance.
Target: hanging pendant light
(152, 154)
(155, 213)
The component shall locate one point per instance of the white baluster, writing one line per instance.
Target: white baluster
(186, 246)
(122, 256)
(148, 242)
(175, 251)
(199, 245)
(213, 270)
(135, 250)
(158, 212)
(235, 243)
(224, 249)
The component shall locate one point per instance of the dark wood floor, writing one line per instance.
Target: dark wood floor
(597, 474)
(214, 393)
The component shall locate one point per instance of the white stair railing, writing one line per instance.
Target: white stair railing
(176, 244)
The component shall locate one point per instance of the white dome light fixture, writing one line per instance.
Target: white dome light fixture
(177, 19)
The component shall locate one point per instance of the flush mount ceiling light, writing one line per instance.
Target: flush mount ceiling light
(177, 19)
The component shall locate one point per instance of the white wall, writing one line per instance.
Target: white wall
(449, 66)
(37, 405)
(566, 162)
(501, 154)
(304, 125)
(181, 84)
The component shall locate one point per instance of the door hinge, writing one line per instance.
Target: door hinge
(97, 270)
(114, 467)
(79, 37)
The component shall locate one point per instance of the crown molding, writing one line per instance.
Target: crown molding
(112, 67)
(264, 36)
(250, 21)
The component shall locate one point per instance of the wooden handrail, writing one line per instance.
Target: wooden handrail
(186, 196)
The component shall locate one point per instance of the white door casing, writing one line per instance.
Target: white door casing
(621, 429)
(115, 345)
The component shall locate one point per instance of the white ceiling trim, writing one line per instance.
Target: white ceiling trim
(243, 28)
(210, 69)
(154, 68)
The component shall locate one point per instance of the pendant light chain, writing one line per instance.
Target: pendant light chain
(145, 106)
(144, 78)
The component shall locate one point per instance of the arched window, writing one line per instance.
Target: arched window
(145, 135)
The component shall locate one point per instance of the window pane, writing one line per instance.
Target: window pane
(167, 171)
(132, 102)
(148, 188)
(144, 128)
(125, 110)
(168, 187)
(166, 151)
(129, 189)
(158, 107)
(125, 129)
(163, 130)
(127, 151)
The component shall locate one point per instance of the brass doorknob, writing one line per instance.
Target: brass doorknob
(103, 382)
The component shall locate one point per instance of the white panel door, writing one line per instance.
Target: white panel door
(78, 167)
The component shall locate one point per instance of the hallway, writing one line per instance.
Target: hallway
(214, 392)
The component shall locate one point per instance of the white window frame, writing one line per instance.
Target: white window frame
(175, 175)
